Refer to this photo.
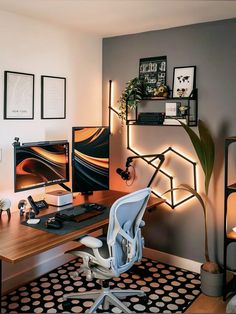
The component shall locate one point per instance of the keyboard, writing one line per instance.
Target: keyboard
(93, 206)
(80, 212)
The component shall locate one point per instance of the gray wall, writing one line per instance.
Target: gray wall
(211, 47)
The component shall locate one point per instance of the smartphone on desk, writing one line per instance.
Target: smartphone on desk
(37, 205)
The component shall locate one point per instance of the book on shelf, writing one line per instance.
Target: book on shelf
(174, 121)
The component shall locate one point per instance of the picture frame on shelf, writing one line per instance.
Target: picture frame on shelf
(174, 114)
(184, 81)
(172, 109)
(18, 96)
(153, 70)
(53, 97)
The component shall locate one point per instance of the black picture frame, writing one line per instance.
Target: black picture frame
(184, 81)
(154, 71)
(53, 97)
(18, 95)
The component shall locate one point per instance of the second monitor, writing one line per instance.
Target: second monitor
(90, 159)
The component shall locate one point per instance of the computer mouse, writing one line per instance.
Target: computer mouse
(53, 223)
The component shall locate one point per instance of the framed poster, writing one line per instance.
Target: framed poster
(18, 95)
(53, 97)
(153, 71)
(184, 79)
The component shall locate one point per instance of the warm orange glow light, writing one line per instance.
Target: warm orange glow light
(184, 153)
(111, 113)
(114, 111)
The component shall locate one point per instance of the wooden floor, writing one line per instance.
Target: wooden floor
(205, 304)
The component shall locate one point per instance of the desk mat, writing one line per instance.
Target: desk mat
(68, 226)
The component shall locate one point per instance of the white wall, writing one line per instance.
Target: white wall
(32, 46)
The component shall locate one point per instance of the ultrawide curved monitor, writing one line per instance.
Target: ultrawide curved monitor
(41, 164)
(90, 159)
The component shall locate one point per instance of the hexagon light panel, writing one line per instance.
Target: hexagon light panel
(177, 169)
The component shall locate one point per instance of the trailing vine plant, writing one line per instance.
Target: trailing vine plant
(131, 96)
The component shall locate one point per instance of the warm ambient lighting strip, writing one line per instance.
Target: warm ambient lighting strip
(110, 97)
(172, 202)
(194, 183)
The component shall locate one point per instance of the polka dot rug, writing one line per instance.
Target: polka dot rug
(169, 290)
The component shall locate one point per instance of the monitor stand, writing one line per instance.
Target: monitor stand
(65, 187)
(87, 193)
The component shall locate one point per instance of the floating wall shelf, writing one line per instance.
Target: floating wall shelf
(190, 102)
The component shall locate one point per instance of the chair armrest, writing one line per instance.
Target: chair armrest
(91, 242)
(142, 224)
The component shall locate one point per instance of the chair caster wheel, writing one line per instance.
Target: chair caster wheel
(67, 305)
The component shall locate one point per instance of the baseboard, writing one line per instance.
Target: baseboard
(172, 260)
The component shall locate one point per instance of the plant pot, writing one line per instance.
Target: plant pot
(211, 284)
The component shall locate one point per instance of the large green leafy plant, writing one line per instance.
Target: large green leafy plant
(131, 96)
(205, 150)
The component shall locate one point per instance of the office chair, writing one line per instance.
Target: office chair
(104, 258)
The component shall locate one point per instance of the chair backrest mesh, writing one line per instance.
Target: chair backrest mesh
(124, 235)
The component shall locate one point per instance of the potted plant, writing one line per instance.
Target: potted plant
(211, 274)
(131, 96)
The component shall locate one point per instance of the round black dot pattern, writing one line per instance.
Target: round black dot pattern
(168, 289)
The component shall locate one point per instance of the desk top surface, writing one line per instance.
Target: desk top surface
(18, 242)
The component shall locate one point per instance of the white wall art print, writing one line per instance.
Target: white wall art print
(53, 97)
(18, 95)
(184, 81)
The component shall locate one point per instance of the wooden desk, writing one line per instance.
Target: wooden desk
(19, 242)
